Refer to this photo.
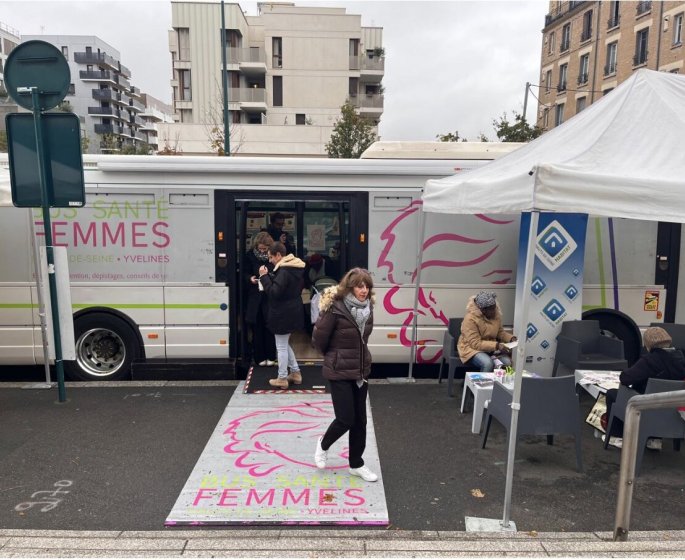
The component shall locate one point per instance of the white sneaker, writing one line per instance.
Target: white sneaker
(614, 441)
(270, 363)
(654, 443)
(320, 455)
(365, 473)
(263, 363)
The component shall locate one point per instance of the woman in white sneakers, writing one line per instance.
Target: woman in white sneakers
(342, 333)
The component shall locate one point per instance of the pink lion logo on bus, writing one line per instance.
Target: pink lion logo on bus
(259, 442)
(478, 251)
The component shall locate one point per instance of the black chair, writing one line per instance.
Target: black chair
(660, 423)
(677, 332)
(549, 406)
(450, 356)
(580, 345)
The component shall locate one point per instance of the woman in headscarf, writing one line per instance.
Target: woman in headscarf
(263, 343)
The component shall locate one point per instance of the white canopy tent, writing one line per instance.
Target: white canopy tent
(624, 156)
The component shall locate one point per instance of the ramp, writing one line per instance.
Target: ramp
(258, 468)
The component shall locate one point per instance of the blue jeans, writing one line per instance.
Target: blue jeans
(483, 361)
(286, 356)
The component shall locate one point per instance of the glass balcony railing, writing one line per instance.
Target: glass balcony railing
(247, 95)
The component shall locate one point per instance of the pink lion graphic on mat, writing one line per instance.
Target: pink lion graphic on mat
(474, 255)
(259, 441)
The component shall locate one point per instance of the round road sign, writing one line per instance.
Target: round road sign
(41, 65)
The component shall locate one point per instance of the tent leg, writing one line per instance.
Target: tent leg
(417, 287)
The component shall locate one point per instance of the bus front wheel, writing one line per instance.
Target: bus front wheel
(105, 348)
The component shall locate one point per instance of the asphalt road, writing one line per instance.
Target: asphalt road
(125, 452)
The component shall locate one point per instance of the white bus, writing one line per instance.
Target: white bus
(155, 256)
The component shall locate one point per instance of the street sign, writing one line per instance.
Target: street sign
(41, 65)
(65, 183)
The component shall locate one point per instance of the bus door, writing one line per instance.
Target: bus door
(327, 231)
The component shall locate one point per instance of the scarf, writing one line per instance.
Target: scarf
(261, 257)
(360, 310)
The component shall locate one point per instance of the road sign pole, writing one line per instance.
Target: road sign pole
(47, 226)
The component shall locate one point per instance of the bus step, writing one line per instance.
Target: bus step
(183, 370)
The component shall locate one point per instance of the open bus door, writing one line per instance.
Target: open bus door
(328, 231)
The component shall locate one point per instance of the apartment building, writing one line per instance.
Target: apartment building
(9, 38)
(591, 47)
(100, 92)
(289, 71)
(154, 112)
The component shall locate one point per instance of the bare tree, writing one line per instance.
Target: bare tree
(214, 127)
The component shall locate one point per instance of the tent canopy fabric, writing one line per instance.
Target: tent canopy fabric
(624, 156)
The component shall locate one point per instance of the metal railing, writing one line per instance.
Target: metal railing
(610, 69)
(631, 429)
(640, 58)
(236, 55)
(614, 21)
(247, 95)
(582, 78)
(643, 7)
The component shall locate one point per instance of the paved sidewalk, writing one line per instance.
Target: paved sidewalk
(333, 543)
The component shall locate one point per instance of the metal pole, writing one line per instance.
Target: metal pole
(419, 262)
(47, 226)
(525, 101)
(520, 362)
(42, 312)
(631, 429)
(224, 82)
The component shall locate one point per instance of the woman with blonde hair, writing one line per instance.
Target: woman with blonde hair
(342, 334)
(256, 306)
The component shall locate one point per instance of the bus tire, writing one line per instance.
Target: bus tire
(622, 327)
(105, 348)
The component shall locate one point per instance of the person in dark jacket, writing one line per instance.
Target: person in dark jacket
(256, 305)
(342, 334)
(661, 361)
(275, 230)
(286, 313)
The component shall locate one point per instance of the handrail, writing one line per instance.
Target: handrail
(626, 479)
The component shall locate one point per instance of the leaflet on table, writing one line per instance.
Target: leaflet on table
(511, 345)
(600, 378)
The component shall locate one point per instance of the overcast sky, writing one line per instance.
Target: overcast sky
(450, 65)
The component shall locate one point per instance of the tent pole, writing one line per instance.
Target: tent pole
(520, 362)
(417, 286)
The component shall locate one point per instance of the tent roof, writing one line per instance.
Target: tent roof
(624, 156)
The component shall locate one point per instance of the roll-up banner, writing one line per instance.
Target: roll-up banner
(556, 287)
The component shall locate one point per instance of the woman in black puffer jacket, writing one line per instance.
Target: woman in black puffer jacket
(342, 335)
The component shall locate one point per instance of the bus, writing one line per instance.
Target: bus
(156, 253)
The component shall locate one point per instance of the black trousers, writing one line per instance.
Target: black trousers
(611, 396)
(349, 404)
(263, 341)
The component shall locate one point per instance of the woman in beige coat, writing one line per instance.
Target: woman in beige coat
(482, 334)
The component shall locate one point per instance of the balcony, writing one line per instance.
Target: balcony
(643, 8)
(135, 120)
(134, 92)
(582, 79)
(124, 70)
(250, 60)
(122, 81)
(561, 87)
(108, 129)
(614, 21)
(248, 99)
(561, 10)
(640, 58)
(368, 103)
(101, 59)
(105, 112)
(565, 45)
(135, 105)
(106, 94)
(609, 69)
(372, 69)
(586, 35)
(96, 76)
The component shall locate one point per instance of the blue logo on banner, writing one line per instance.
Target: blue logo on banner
(531, 331)
(544, 344)
(554, 310)
(553, 242)
(571, 292)
(576, 272)
(538, 286)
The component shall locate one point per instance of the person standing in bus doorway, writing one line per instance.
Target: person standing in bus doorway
(284, 286)
(256, 306)
(482, 338)
(342, 335)
(275, 230)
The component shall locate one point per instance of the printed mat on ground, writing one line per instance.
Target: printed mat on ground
(258, 467)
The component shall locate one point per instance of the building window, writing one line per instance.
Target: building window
(559, 116)
(563, 72)
(548, 80)
(278, 91)
(641, 42)
(610, 64)
(353, 86)
(545, 118)
(71, 90)
(184, 85)
(65, 52)
(678, 29)
(235, 117)
(614, 14)
(565, 38)
(580, 104)
(584, 70)
(277, 51)
(550, 42)
(587, 26)
(300, 118)
(643, 7)
(183, 43)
